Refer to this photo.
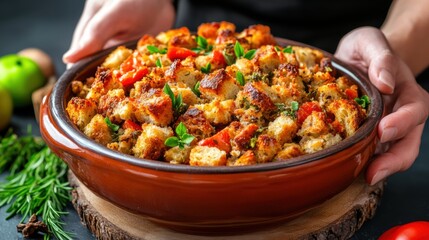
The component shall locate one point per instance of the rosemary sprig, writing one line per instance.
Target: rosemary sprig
(40, 187)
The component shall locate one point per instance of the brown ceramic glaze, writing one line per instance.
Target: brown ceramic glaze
(208, 199)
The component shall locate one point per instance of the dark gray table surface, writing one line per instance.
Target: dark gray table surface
(49, 24)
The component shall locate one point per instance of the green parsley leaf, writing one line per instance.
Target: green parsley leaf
(250, 54)
(288, 111)
(158, 63)
(171, 142)
(152, 49)
(196, 89)
(207, 68)
(182, 139)
(201, 42)
(238, 50)
(253, 142)
(240, 78)
(177, 102)
(288, 49)
(229, 59)
(294, 106)
(111, 125)
(363, 101)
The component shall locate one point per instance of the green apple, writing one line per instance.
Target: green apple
(20, 76)
(6, 108)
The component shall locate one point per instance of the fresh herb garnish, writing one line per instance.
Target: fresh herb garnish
(158, 63)
(202, 45)
(288, 49)
(253, 141)
(240, 78)
(207, 68)
(229, 59)
(40, 187)
(111, 125)
(239, 52)
(363, 101)
(250, 54)
(152, 49)
(196, 89)
(177, 102)
(182, 137)
(288, 110)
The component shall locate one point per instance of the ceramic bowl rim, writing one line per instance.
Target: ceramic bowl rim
(57, 105)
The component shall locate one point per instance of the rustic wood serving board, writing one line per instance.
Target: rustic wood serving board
(338, 218)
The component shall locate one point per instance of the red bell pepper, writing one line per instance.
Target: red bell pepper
(129, 78)
(221, 140)
(179, 53)
(131, 125)
(306, 109)
(218, 58)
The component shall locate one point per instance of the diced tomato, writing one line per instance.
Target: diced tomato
(179, 53)
(221, 140)
(218, 58)
(306, 109)
(129, 78)
(131, 125)
(351, 93)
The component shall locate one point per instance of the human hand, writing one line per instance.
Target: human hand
(105, 23)
(405, 100)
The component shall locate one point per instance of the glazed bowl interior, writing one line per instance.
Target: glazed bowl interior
(61, 94)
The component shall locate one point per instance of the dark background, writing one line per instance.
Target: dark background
(49, 25)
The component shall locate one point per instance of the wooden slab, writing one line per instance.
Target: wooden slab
(338, 218)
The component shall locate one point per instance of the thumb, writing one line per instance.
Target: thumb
(368, 49)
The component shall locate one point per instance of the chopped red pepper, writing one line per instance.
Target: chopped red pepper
(218, 58)
(131, 125)
(306, 109)
(179, 53)
(351, 93)
(221, 140)
(129, 78)
(418, 230)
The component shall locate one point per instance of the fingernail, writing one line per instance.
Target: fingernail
(388, 134)
(380, 175)
(387, 79)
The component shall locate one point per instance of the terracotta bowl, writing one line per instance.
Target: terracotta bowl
(205, 200)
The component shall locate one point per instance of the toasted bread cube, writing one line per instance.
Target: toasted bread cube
(266, 148)
(103, 82)
(154, 107)
(248, 158)
(218, 85)
(267, 58)
(211, 30)
(98, 130)
(283, 129)
(183, 74)
(254, 95)
(188, 96)
(207, 156)
(218, 112)
(327, 93)
(114, 59)
(307, 57)
(258, 35)
(196, 123)
(314, 125)
(348, 114)
(126, 141)
(290, 150)
(115, 105)
(177, 155)
(81, 111)
(313, 144)
(150, 143)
